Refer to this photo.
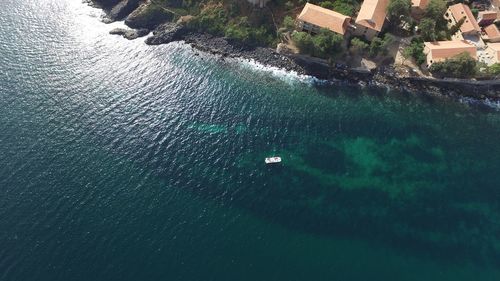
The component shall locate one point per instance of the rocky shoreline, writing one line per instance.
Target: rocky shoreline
(382, 77)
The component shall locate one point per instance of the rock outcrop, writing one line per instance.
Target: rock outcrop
(123, 8)
(105, 4)
(148, 15)
(166, 33)
(130, 34)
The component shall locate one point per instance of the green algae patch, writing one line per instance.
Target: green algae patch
(397, 167)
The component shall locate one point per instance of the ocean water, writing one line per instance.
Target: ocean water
(120, 161)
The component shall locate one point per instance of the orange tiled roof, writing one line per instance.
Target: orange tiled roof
(325, 18)
(495, 46)
(459, 11)
(422, 4)
(372, 14)
(441, 50)
(492, 32)
(487, 15)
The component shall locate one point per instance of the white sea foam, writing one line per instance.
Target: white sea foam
(488, 102)
(283, 74)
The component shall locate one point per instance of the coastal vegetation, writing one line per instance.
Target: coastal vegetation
(217, 20)
(461, 66)
(345, 7)
(415, 50)
(244, 25)
(398, 11)
(326, 44)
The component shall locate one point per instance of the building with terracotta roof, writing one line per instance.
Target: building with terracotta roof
(418, 7)
(313, 18)
(491, 33)
(485, 18)
(494, 50)
(461, 11)
(371, 18)
(442, 50)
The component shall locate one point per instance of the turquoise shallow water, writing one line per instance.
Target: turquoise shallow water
(120, 161)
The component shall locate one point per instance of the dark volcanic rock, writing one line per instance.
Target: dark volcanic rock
(147, 15)
(221, 46)
(130, 34)
(123, 9)
(166, 33)
(107, 4)
(153, 17)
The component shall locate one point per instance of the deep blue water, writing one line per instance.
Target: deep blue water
(120, 161)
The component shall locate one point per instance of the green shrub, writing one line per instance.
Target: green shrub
(435, 9)
(415, 51)
(327, 5)
(378, 46)
(288, 23)
(398, 10)
(428, 29)
(461, 66)
(241, 31)
(345, 7)
(494, 69)
(212, 20)
(303, 41)
(359, 46)
(326, 44)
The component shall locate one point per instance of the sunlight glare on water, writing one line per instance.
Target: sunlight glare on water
(121, 161)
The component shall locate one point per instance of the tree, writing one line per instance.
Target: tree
(288, 23)
(388, 40)
(380, 46)
(435, 9)
(415, 51)
(427, 28)
(327, 5)
(344, 7)
(327, 44)
(475, 12)
(494, 69)
(358, 46)
(303, 41)
(460, 66)
(398, 10)
(454, 29)
(375, 46)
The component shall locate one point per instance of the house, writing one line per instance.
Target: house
(442, 50)
(457, 12)
(313, 18)
(494, 50)
(491, 33)
(485, 18)
(371, 18)
(418, 7)
(260, 3)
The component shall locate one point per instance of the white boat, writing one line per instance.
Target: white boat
(273, 160)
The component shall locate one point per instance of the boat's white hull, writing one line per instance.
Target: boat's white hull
(273, 160)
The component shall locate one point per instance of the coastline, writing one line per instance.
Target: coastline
(487, 90)
(483, 90)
